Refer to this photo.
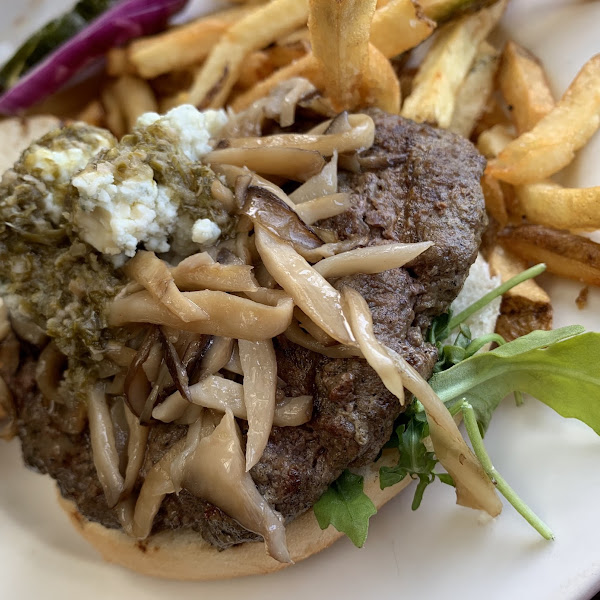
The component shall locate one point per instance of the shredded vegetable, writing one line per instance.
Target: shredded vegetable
(126, 20)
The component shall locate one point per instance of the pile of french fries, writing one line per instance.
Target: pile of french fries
(361, 53)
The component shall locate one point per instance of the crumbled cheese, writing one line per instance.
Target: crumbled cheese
(478, 284)
(119, 210)
(116, 218)
(205, 232)
(191, 128)
(58, 165)
(51, 166)
(53, 161)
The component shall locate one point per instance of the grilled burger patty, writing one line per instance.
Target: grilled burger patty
(417, 183)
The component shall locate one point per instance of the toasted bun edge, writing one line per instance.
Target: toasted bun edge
(184, 555)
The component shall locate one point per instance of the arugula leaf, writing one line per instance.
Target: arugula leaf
(414, 460)
(438, 330)
(345, 506)
(561, 368)
(464, 346)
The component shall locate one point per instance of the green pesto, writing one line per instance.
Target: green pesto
(46, 273)
(58, 281)
(189, 182)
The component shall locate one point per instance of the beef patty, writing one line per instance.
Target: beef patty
(418, 183)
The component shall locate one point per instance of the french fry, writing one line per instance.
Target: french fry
(339, 34)
(261, 64)
(173, 82)
(494, 113)
(183, 46)
(524, 308)
(444, 68)
(255, 31)
(301, 36)
(565, 254)
(92, 113)
(475, 90)
(399, 26)
(257, 66)
(114, 117)
(495, 204)
(380, 86)
(135, 97)
(304, 67)
(548, 203)
(282, 55)
(117, 63)
(552, 143)
(446, 10)
(525, 87)
(492, 141)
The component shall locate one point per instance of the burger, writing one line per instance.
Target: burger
(191, 319)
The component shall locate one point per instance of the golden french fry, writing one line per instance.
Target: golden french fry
(548, 203)
(257, 66)
(282, 55)
(494, 113)
(524, 308)
(261, 64)
(565, 254)
(492, 141)
(443, 70)
(380, 86)
(399, 26)
(475, 90)
(92, 113)
(525, 87)
(339, 33)
(114, 117)
(445, 10)
(177, 48)
(256, 30)
(117, 62)
(495, 204)
(300, 36)
(552, 143)
(303, 67)
(135, 97)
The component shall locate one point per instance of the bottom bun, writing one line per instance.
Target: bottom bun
(184, 555)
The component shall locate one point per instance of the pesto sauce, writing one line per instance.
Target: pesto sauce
(63, 284)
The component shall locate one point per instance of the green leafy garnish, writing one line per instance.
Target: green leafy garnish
(501, 484)
(561, 368)
(414, 461)
(345, 506)
(530, 273)
(464, 346)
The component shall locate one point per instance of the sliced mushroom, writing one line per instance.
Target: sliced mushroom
(216, 472)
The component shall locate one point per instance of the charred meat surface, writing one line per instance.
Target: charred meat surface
(417, 184)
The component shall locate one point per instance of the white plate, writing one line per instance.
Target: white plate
(439, 551)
